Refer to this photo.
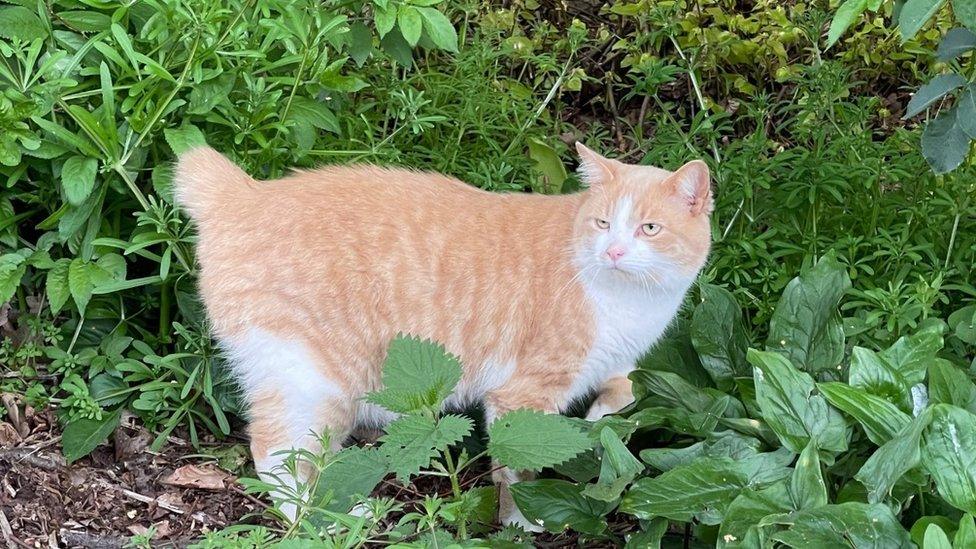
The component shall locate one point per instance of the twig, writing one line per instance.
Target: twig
(74, 538)
(253, 499)
(6, 530)
(148, 500)
(28, 456)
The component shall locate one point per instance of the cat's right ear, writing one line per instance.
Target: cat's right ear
(595, 169)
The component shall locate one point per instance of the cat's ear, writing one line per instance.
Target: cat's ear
(693, 186)
(595, 169)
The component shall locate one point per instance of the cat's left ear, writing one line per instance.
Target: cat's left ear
(692, 184)
(595, 169)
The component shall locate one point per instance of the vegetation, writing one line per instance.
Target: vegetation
(818, 388)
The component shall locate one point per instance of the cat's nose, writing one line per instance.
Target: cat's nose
(615, 252)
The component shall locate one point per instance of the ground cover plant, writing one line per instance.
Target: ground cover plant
(816, 391)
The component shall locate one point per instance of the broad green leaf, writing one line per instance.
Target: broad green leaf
(846, 14)
(893, 459)
(951, 384)
(307, 114)
(806, 327)
(935, 538)
(108, 390)
(548, 164)
(58, 290)
(744, 514)
(790, 406)
(86, 21)
(385, 19)
(911, 354)
(914, 14)
(881, 419)
(873, 373)
(649, 537)
(559, 505)
(20, 23)
(417, 374)
(966, 534)
(955, 43)
(360, 43)
(80, 283)
(949, 455)
(917, 531)
(184, 138)
(618, 468)
(965, 12)
(944, 143)
(206, 95)
(410, 23)
(807, 486)
(966, 111)
(439, 29)
(353, 473)
(851, 524)
(78, 178)
(81, 436)
(929, 93)
(530, 440)
(412, 440)
(12, 269)
(718, 336)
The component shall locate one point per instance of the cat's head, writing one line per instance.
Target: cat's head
(641, 222)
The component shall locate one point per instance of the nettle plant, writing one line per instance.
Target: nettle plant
(946, 138)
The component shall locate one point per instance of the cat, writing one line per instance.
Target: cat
(544, 299)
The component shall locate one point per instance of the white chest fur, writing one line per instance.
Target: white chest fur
(630, 318)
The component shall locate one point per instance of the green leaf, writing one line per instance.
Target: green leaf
(385, 19)
(966, 534)
(559, 505)
(108, 389)
(86, 21)
(949, 455)
(313, 113)
(20, 23)
(78, 178)
(417, 374)
(718, 336)
(807, 487)
(12, 269)
(57, 287)
(846, 14)
(547, 163)
(411, 24)
(397, 48)
(411, 441)
(618, 468)
(955, 43)
(846, 525)
(965, 12)
(80, 283)
(935, 538)
(872, 372)
(893, 459)
(914, 14)
(950, 384)
(944, 143)
(790, 406)
(207, 95)
(929, 93)
(353, 473)
(881, 419)
(81, 436)
(747, 510)
(184, 138)
(439, 29)
(910, 355)
(806, 327)
(360, 43)
(528, 440)
(966, 111)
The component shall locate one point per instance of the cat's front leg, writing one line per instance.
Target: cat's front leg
(615, 394)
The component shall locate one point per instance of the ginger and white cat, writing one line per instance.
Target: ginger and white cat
(543, 298)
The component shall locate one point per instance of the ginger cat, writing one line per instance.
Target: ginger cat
(545, 299)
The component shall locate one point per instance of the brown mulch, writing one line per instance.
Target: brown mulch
(120, 490)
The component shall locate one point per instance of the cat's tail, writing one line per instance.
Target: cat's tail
(203, 178)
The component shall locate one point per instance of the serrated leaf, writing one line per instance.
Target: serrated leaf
(417, 374)
(12, 269)
(807, 486)
(56, 285)
(718, 336)
(955, 43)
(439, 29)
(893, 459)
(81, 436)
(559, 505)
(881, 419)
(949, 455)
(413, 440)
(914, 14)
(528, 440)
(850, 524)
(846, 14)
(931, 92)
(805, 326)
(791, 406)
(353, 473)
(78, 178)
(944, 143)
(410, 23)
(20, 23)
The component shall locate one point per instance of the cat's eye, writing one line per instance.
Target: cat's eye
(601, 224)
(650, 229)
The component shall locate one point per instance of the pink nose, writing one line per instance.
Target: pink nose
(615, 252)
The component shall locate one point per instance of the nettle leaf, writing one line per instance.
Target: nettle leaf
(929, 93)
(846, 14)
(893, 459)
(807, 487)
(719, 337)
(78, 178)
(949, 455)
(58, 290)
(944, 143)
(618, 468)
(528, 440)
(955, 43)
(81, 436)
(439, 29)
(410, 23)
(417, 374)
(965, 12)
(790, 406)
(914, 14)
(950, 384)
(805, 326)
(850, 524)
(12, 269)
(881, 419)
(20, 23)
(559, 505)
(354, 472)
(411, 441)
(741, 527)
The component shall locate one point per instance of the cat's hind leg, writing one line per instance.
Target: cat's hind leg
(614, 395)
